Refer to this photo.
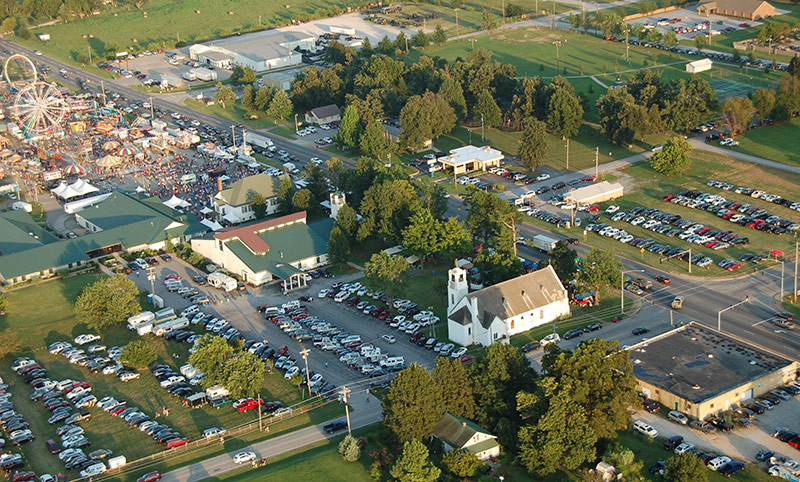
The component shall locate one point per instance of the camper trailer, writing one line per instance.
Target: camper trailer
(222, 281)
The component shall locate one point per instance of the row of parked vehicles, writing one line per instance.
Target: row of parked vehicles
(743, 214)
(93, 358)
(60, 397)
(755, 193)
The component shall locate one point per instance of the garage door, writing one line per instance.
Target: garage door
(747, 395)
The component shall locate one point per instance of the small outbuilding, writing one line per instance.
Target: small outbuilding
(699, 66)
(595, 193)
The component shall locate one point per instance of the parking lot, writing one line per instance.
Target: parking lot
(687, 23)
(239, 308)
(155, 65)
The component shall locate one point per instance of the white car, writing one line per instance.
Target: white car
(94, 469)
(316, 161)
(389, 338)
(84, 339)
(323, 293)
(458, 353)
(683, 448)
(291, 372)
(244, 457)
(716, 463)
(612, 209)
(551, 338)
(543, 177)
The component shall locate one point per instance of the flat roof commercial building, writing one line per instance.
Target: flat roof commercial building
(261, 51)
(595, 193)
(700, 371)
(470, 158)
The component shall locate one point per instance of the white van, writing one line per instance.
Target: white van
(341, 296)
(645, 428)
(392, 361)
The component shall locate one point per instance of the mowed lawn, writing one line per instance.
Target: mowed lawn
(44, 314)
(650, 186)
(167, 21)
(777, 142)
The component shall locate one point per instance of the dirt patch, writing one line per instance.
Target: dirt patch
(531, 36)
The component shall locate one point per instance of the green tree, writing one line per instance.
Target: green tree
(600, 270)
(314, 176)
(424, 117)
(701, 41)
(670, 39)
(764, 100)
(258, 203)
(3, 304)
(224, 95)
(421, 235)
(301, 201)
(138, 354)
(236, 74)
(439, 35)
(23, 32)
(461, 463)
(401, 42)
(248, 97)
(385, 46)
(674, 158)
(386, 208)
(527, 102)
(263, 97)
(451, 91)
(737, 112)
(619, 116)
(787, 97)
(532, 149)
(349, 128)
(454, 387)
(280, 107)
(210, 356)
(374, 141)
(286, 191)
(385, 272)
(560, 439)
(420, 39)
(565, 113)
(108, 302)
(498, 374)
(562, 259)
(412, 406)
(486, 110)
(413, 464)
(8, 25)
(366, 49)
(349, 448)
(248, 76)
(624, 460)
(684, 467)
(453, 238)
(488, 21)
(243, 374)
(338, 246)
(347, 221)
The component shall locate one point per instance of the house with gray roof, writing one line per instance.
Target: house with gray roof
(495, 313)
(458, 433)
(121, 222)
(233, 203)
(282, 248)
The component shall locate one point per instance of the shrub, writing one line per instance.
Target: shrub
(349, 449)
(499, 187)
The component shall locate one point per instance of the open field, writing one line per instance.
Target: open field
(39, 324)
(234, 113)
(651, 186)
(161, 23)
(777, 142)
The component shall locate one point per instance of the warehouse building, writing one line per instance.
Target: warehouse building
(261, 51)
(701, 372)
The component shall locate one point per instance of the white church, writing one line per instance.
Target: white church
(495, 313)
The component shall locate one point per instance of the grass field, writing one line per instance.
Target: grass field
(234, 113)
(38, 324)
(777, 142)
(651, 186)
(161, 23)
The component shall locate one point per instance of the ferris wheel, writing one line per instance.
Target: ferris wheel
(38, 106)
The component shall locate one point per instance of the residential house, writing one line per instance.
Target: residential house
(458, 433)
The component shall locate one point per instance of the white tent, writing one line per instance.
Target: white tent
(59, 190)
(232, 218)
(83, 187)
(65, 191)
(206, 210)
(140, 189)
(175, 202)
(213, 225)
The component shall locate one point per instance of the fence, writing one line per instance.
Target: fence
(654, 12)
(742, 78)
(752, 44)
(199, 444)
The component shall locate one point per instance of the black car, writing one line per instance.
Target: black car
(657, 467)
(673, 442)
(592, 327)
(574, 333)
(639, 331)
(764, 455)
(730, 468)
(335, 426)
(532, 346)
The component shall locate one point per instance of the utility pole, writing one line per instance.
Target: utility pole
(794, 293)
(720, 312)
(260, 425)
(781, 297)
(503, 10)
(690, 260)
(557, 43)
(151, 276)
(304, 353)
(554, 14)
(344, 393)
(627, 45)
(90, 53)
(233, 135)
(567, 153)
(103, 91)
(457, 34)
(483, 139)
(671, 311)
(597, 163)
(295, 123)
(152, 115)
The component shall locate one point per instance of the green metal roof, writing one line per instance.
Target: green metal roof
(286, 245)
(21, 233)
(128, 220)
(456, 431)
(482, 446)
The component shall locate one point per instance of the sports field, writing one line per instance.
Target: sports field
(776, 142)
(161, 23)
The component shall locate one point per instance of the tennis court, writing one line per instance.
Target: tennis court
(727, 88)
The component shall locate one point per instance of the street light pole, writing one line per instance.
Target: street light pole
(720, 312)
(344, 394)
(457, 34)
(794, 293)
(304, 354)
(557, 43)
(781, 297)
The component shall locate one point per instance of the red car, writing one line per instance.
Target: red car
(616, 319)
(22, 476)
(176, 442)
(590, 179)
(281, 351)
(149, 477)
(668, 197)
(246, 405)
(467, 359)
(593, 208)
(384, 315)
(663, 279)
(734, 266)
(172, 276)
(116, 411)
(53, 447)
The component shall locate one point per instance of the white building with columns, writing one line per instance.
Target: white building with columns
(495, 313)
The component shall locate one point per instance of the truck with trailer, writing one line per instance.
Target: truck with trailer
(543, 243)
(165, 327)
(196, 400)
(258, 140)
(222, 281)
